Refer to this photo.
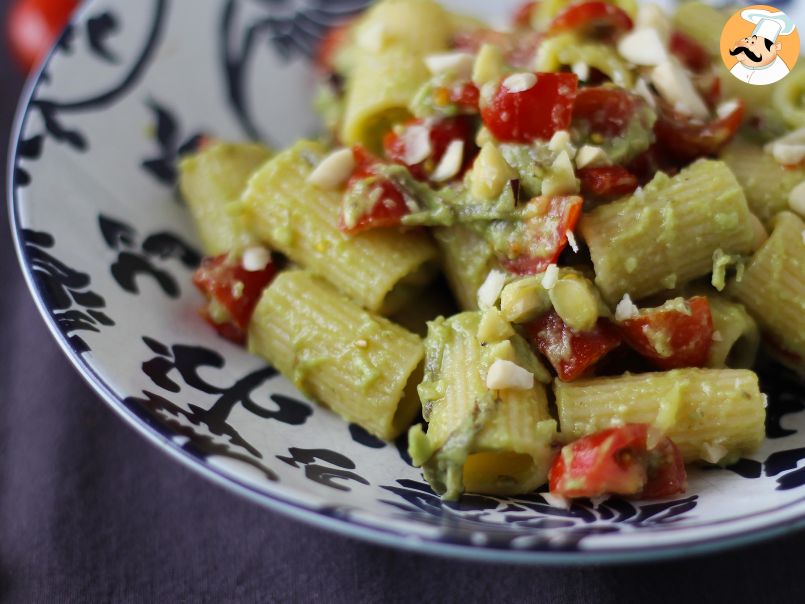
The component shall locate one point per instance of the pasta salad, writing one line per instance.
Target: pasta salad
(562, 244)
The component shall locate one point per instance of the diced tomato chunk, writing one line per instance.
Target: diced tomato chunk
(617, 461)
(686, 139)
(440, 134)
(672, 338)
(389, 206)
(233, 290)
(606, 110)
(666, 471)
(600, 20)
(329, 46)
(570, 352)
(533, 114)
(466, 96)
(522, 15)
(607, 181)
(540, 237)
(689, 51)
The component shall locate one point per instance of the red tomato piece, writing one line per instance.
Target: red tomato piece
(540, 238)
(570, 352)
(608, 461)
(329, 46)
(599, 20)
(685, 139)
(466, 96)
(441, 134)
(522, 15)
(389, 207)
(617, 461)
(606, 110)
(686, 338)
(233, 290)
(689, 51)
(533, 114)
(33, 27)
(607, 181)
(666, 471)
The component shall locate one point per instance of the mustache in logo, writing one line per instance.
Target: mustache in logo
(752, 56)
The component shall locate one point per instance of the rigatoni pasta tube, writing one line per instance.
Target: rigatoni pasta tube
(714, 415)
(479, 440)
(361, 366)
(420, 26)
(380, 269)
(736, 337)
(773, 288)
(379, 90)
(212, 179)
(467, 259)
(765, 182)
(665, 235)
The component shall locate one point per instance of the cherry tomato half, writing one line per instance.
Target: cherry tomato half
(607, 181)
(600, 20)
(539, 239)
(572, 353)
(618, 461)
(234, 290)
(533, 114)
(389, 206)
(685, 337)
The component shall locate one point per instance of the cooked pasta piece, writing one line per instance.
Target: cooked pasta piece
(380, 269)
(420, 26)
(479, 439)
(467, 259)
(703, 23)
(566, 50)
(378, 94)
(787, 98)
(765, 182)
(713, 415)
(209, 182)
(544, 12)
(773, 288)
(666, 234)
(736, 336)
(362, 366)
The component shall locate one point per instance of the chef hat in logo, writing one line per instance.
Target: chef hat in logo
(768, 25)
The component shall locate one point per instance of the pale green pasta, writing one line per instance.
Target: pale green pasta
(210, 181)
(765, 182)
(378, 94)
(467, 259)
(788, 98)
(773, 288)
(664, 235)
(381, 270)
(480, 440)
(736, 336)
(566, 50)
(360, 365)
(713, 415)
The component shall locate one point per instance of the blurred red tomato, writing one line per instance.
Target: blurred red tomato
(34, 25)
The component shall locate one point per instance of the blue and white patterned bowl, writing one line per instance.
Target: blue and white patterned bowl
(108, 252)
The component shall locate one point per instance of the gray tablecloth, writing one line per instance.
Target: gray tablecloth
(91, 512)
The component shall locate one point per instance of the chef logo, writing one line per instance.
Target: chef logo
(760, 45)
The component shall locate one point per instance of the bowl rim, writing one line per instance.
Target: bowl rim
(349, 527)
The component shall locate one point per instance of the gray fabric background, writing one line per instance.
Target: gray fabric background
(91, 512)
